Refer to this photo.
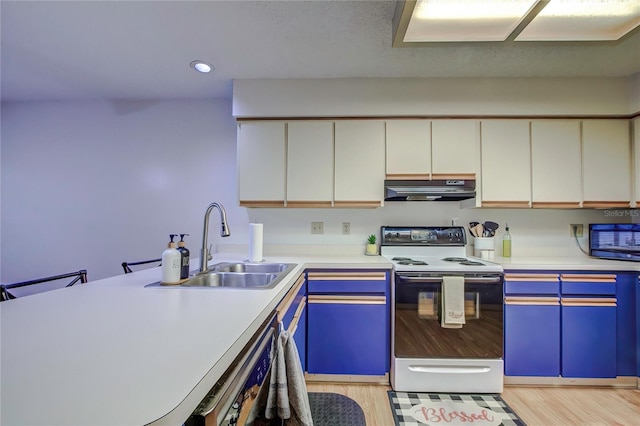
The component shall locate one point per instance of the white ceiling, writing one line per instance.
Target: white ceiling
(138, 49)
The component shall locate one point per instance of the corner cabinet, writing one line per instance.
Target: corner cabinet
(605, 163)
(261, 164)
(359, 163)
(348, 326)
(505, 163)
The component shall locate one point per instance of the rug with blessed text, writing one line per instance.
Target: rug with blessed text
(419, 409)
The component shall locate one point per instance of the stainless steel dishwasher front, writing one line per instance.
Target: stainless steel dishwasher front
(231, 399)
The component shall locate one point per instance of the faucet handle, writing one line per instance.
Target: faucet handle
(209, 255)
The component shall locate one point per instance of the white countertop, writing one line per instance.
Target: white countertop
(582, 263)
(111, 352)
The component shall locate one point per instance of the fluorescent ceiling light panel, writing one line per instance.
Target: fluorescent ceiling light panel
(465, 20)
(583, 20)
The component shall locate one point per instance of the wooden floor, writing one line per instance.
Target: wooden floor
(543, 406)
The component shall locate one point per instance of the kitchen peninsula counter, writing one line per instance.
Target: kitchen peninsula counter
(112, 352)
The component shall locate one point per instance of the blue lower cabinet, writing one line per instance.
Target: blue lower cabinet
(532, 339)
(349, 337)
(589, 341)
(300, 337)
(626, 327)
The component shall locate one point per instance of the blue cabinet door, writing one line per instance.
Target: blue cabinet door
(347, 338)
(627, 328)
(300, 337)
(589, 341)
(532, 340)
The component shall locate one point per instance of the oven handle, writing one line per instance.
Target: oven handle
(488, 280)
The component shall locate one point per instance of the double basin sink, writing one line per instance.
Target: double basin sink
(239, 275)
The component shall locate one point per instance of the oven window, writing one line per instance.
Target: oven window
(419, 334)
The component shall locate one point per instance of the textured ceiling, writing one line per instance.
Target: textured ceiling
(54, 50)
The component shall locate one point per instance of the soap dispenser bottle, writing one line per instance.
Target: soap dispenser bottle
(171, 263)
(506, 242)
(184, 258)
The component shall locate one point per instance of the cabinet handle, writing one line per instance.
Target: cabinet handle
(605, 204)
(555, 205)
(547, 301)
(357, 204)
(589, 277)
(531, 277)
(583, 301)
(349, 300)
(296, 317)
(309, 204)
(508, 204)
(352, 276)
(455, 176)
(416, 176)
(257, 203)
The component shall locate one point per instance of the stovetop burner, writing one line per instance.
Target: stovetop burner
(409, 261)
(455, 259)
(472, 262)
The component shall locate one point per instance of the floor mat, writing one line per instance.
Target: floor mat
(418, 409)
(332, 409)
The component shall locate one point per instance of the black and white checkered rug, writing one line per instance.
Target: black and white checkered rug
(419, 409)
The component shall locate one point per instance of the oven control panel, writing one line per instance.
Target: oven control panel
(424, 235)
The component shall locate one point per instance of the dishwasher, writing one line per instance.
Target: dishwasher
(231, 400)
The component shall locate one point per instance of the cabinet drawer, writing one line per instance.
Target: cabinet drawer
(347, 282)
(531, 284)
(592, 284)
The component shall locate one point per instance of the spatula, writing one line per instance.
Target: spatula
(490, 228)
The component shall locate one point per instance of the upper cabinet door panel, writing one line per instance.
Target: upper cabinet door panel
(359, 163)
(454, 148)
(261, 162)
(506, 163)
(636, 149)
(310, 163)
(408, 149)
(556, 164)
(606, 153)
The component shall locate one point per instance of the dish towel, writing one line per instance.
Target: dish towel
(452, 302)
(287, 398)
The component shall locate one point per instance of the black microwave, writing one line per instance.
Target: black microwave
(617, 241)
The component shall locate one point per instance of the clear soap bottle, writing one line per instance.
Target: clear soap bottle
(506, 242)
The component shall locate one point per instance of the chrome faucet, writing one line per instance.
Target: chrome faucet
(224, 232)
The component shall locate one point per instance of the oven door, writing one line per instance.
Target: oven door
(417, 318)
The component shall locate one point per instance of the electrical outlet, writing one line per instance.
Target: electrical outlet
(346, 228)
(317, 227)
(575, 230)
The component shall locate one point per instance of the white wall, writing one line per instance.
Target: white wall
(92, 184)
(432, 97)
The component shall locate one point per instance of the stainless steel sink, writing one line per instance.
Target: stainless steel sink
(233, 279)
(237, 275)
(267, 268)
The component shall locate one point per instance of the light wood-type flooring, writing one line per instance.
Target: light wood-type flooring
(543, 406)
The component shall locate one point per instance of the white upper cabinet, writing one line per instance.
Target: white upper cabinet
(635, 124)
(408, 148)
(454, 149)
(505, 163)
(261, 163)
(359, 163)
(606, 165)
(556, 164)
(309, 164)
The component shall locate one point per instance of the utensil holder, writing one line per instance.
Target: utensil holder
(484, 247)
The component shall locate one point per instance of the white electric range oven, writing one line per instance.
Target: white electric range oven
(443, 344)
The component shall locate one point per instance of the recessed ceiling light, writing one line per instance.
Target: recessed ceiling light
(201, 66)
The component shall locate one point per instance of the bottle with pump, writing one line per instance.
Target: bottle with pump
(506, 242)
(171, 263)
(184, 258)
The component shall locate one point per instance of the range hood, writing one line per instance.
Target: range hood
(429, 190)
